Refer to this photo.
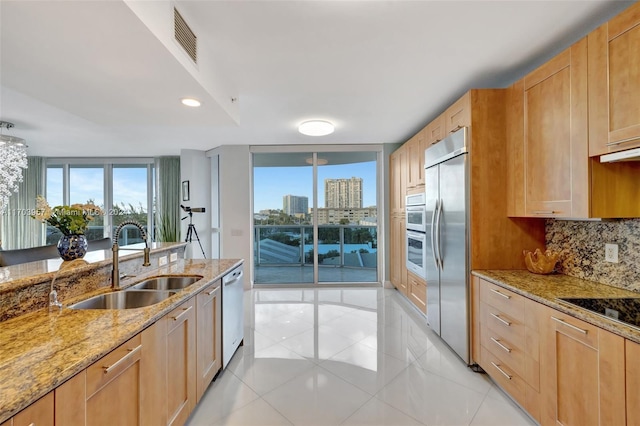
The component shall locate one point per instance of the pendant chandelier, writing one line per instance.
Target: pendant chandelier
(13, 159)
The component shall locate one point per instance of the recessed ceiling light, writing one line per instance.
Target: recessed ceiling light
(190, 102)
(316, 128)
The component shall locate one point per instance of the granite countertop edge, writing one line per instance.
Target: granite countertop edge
(42, 350)
(546, 289)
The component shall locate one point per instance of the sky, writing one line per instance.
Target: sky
(87, 183)
(272, 183)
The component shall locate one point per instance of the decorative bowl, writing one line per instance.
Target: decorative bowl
(539, 262)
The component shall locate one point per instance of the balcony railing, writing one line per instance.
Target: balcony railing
(338, 245)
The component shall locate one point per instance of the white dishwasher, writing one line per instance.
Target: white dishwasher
(232, 313)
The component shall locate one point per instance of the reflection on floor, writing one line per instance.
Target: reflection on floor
(347, 357)
(265, 274)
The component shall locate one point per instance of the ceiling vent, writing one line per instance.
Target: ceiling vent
(184, 36)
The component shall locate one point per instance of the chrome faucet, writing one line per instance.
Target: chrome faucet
(115, 272)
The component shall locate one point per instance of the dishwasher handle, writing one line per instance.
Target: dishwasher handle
(232, 277)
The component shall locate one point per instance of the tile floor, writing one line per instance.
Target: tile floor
(347, 357)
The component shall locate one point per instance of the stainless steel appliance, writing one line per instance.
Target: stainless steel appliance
(416, 220)
(232, 313)
(447, 269)
(416, 252)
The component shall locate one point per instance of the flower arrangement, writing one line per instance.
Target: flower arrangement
(70, 220)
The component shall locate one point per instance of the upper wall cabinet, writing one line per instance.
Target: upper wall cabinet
(458, 115)
(415, 162)
(614, 84)
(548, 138)
(434, 131)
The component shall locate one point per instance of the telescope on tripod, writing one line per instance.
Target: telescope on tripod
(191, 229)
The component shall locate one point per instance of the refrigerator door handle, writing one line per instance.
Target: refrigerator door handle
(438, 213)
(433, 236)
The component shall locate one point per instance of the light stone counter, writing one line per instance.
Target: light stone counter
(41, 350)
(546, 289)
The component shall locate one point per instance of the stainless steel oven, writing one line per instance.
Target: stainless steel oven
(416, 212)
(416, 252)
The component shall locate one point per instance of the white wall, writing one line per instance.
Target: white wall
(195, 167)
(234, 192)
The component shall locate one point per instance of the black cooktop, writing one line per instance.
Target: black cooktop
(625, 310)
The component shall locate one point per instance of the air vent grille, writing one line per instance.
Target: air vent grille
(184, 36)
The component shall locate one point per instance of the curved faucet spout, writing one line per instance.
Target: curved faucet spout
(115, 272)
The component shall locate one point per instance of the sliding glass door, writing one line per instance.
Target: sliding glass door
(315, 217)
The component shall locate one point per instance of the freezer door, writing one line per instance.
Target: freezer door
(454, 274)
(432, 272)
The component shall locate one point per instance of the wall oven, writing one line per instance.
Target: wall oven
(416, 252)
(416, 212)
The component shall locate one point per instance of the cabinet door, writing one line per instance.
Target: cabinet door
(633, 382)
(181, 376)
(434, 132)
(209, 336)
(40, 413)
(397, 180)
(555, 136)
(415, 176)
(582, 373)
(614, 84)
(398, 254)
(417, 291)
(458, 115)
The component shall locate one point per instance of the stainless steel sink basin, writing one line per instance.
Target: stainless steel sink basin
(123, 300)
(167, 282)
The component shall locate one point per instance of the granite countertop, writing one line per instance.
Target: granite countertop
(546, 289)
(42, 350)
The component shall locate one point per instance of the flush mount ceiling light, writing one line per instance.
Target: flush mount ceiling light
(316, 128)
(13, 157)
(190, 102)
(321, 161)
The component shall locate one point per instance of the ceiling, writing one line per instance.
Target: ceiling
(95, 78)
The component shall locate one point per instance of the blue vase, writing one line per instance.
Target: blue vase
(72, 246)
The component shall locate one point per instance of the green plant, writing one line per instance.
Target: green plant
(70, 220)
(166, 229)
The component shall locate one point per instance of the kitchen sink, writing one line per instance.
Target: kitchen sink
(123, 300)
(169, 282)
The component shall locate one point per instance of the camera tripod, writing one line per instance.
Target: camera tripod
(191, 231)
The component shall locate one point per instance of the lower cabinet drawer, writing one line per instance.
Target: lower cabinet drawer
(504, 376)
(506, 351)
(510, 328)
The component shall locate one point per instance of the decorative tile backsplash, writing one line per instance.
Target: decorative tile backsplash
(582, 246)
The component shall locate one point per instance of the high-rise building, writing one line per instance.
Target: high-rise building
(343, 193)
(294, 204)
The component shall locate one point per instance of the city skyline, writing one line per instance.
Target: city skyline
(272, 183)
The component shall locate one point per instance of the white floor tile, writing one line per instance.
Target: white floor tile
(497, 409)
(269, 368)
(379, 413)
(224, 396)
(431, 399)
(317, 344)
(317, 397)
(365, 367)
(256, 413)
(347, 356)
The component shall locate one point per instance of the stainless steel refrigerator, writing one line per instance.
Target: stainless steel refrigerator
(447, 268)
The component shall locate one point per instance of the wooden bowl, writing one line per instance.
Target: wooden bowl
(539, 262)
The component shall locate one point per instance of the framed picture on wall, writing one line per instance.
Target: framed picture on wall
(185, 190)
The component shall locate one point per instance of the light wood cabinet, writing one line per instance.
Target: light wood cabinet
(417, 291)
(397, 192)
(398, 181)
(614, 84)
(458, 115)
(632, 373)
(181, 373)
(209, 336)
(582, 372)
(434, 132)
(415, 163)
(505, 338)
(547, 129)
(398, 254)
(40, 413)
(108, 392)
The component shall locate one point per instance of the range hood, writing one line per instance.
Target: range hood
(628, 155)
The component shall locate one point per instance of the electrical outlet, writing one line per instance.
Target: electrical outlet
(162, 260)
(173, 257)
(611, 253)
